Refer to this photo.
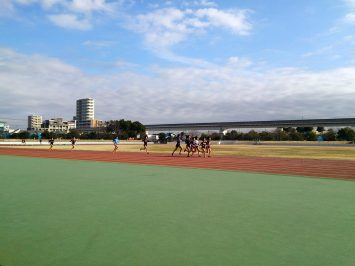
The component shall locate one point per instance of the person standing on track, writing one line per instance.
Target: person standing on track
(51, 143)
(115, 144)
(178, 145)
(145, 144)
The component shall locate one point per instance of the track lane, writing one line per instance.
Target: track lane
(339, 169)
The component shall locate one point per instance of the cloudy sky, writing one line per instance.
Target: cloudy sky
(178, 61)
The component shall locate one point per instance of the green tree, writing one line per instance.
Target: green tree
(304, 129)
(47, 135)
(162, 137)
(295, 136)
(21, 135)
(251, 135)
(288, 129)
(320, 129)
(329, 135)
(125, 128)
(346, 133)
(215, 136)
(280, 135)
(310, 136)
(73, 133)
(265, 135)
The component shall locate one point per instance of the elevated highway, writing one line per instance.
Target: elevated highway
(222, 126)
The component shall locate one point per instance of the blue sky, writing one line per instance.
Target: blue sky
(178, 61)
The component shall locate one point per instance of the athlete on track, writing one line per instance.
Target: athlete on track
(203, 145)
(208, 146)
(188, 144)
(115, 144)
(51, 143)
(73, 141)
(195, 147)
(145, 144)
(178, 145)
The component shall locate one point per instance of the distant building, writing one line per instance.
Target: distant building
(34, 122)
(89, 124)
(85, 116)
(4, 129)
(58, 125)
(85, 109)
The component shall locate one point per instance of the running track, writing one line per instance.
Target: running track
(340, 169)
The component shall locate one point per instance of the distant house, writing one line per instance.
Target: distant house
(58, 125)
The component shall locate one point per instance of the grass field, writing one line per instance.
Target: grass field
(309, 152)
(62, 212)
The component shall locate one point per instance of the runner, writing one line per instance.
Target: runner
(39, 134)
(73, 141)
(51, 143)
(178, 145)
(194, 147)
(208, 146)
(145, 144)
(203, 145)
(188, 145)
(115, 144)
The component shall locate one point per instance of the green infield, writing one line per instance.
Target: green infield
(62, 212)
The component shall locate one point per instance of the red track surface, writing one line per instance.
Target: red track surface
(304, 167)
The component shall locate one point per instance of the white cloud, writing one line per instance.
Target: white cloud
(350, 3)
(319, 51)
(72, 14)
(123, 64)
(47, 4)
(70, 21)
(206, 3)
(234, 20)
(75, 6)
(6, 7)
(165, 27)
(99, 44)
(237, 62)
(89, 6)
(48, 86)
(350, 17)
(203, 3)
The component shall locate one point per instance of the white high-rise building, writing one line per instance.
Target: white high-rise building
(85, 114)
(85, 109)
(34, 122)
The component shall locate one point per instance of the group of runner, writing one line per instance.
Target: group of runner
(51, 143)
(193, 145)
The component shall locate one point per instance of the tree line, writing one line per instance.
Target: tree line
(291, 134)
(124, 129)
(283, 134)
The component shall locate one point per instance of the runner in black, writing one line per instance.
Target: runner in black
(178, 145)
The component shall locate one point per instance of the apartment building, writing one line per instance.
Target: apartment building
(34, 122)
(85, 109)
(58, 125)
(85, 116)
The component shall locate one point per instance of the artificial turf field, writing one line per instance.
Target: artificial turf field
(68, 212)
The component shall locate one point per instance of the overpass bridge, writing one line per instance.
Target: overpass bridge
(222, 126)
